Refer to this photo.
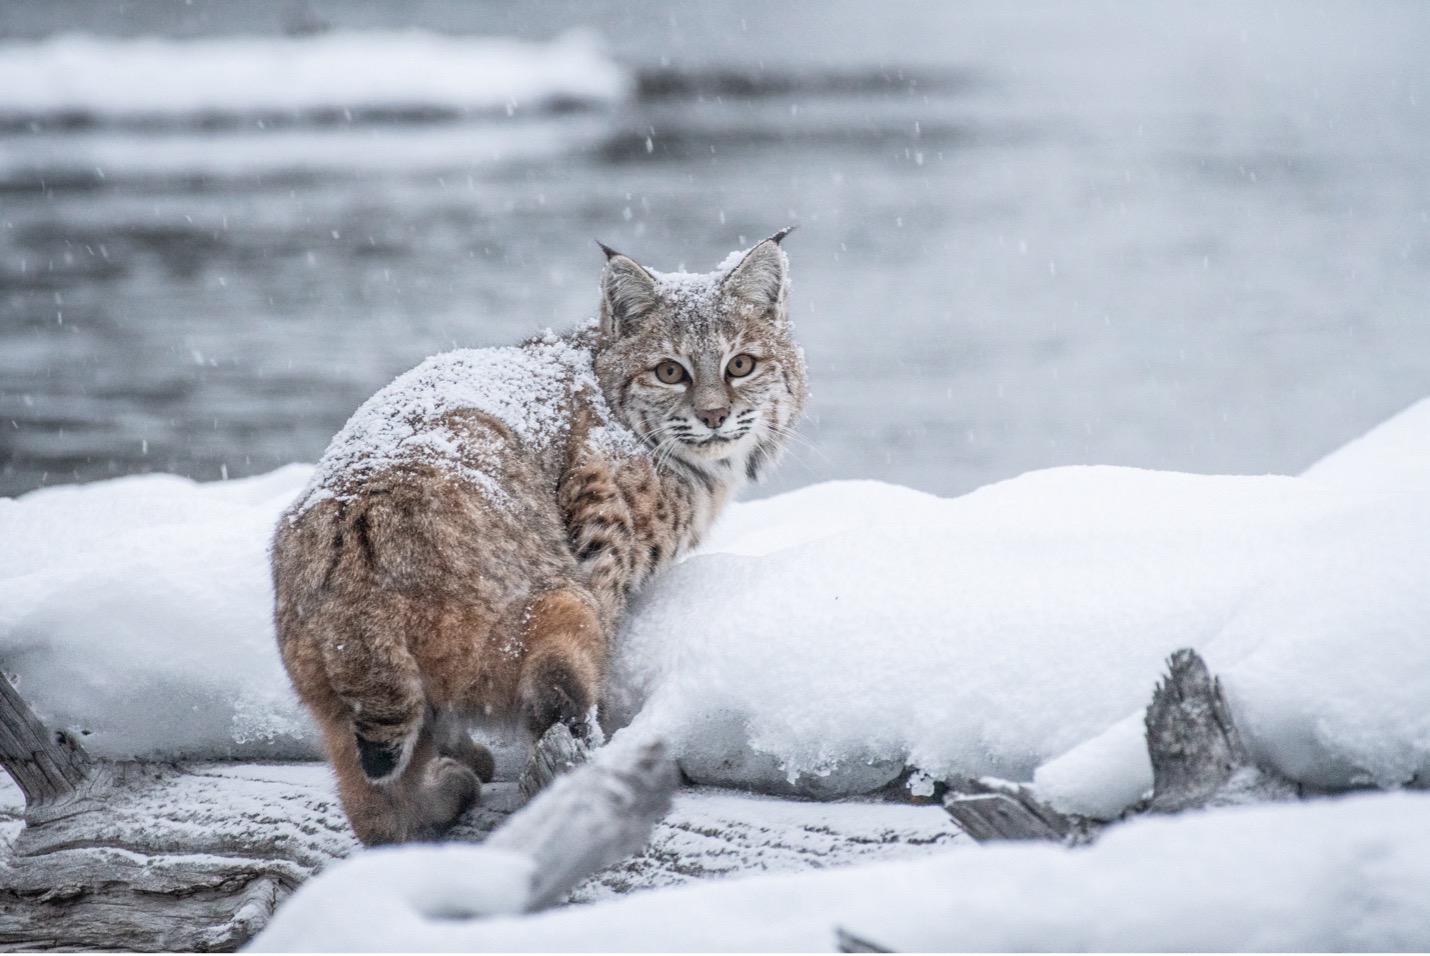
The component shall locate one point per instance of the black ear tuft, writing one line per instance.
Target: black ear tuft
(762, 276)
(611, 253)
(777, 237)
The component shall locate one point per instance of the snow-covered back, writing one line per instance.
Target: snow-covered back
(824, 639)
(340, 70)
(528, 389)
(1334, 875)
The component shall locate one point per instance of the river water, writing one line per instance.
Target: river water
(1177, 235)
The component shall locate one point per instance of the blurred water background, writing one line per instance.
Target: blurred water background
(1189, 235)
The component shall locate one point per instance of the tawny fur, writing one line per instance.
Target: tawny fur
(476, 565)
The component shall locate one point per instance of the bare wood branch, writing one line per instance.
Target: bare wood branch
(48, 767)
(587, 819)
(557, 752)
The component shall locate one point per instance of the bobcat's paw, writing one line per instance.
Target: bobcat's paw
(557, 690)
(474, 756)
(449, 789)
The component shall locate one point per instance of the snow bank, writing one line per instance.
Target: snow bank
(1393, 456)
(826, 639)
(1337, 875)
(858, 629)
(352, 70)
(137, 613)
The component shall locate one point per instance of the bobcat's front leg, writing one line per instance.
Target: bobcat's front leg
(566, 629)
(603, 535)
(565, 654)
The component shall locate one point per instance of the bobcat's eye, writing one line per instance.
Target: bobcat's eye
(740, 366)
(671, 373)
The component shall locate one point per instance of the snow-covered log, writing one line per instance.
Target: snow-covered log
(125, 855)
(590, 818)
(147, 856)
(1197, 755)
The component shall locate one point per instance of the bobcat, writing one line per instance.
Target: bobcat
(470, 538)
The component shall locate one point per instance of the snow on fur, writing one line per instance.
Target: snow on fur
(526, 388)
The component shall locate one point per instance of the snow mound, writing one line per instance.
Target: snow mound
(826, 639)
(137, 613)
(1390, 457)
(1337, 875)
(351, 70)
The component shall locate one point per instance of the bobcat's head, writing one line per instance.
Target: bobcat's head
(704, 368)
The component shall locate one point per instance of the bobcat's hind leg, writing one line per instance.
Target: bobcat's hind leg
(419, 803)
(565, 654)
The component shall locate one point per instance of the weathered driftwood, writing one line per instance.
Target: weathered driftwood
(1194, 745)
(557, 752)
(47, 768)
(595, 815)
(1198, 758)
(126, 856)
(997, 810)
(145, 856)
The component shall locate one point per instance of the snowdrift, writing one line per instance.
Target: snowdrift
(1335, 875)
(825, 639)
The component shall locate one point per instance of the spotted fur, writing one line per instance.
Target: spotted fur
(471, 539)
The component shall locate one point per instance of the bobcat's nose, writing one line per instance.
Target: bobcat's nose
(713, 417)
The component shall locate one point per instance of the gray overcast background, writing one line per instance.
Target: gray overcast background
(1175, 235)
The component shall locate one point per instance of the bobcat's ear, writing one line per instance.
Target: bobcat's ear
(627, 293)
(762, 277)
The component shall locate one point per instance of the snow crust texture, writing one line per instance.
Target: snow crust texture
(1334, 875)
